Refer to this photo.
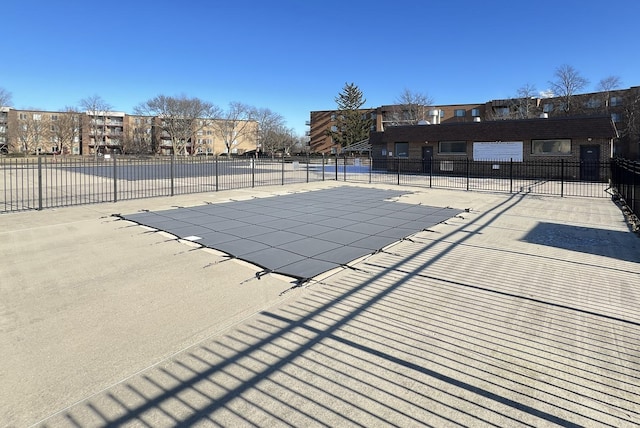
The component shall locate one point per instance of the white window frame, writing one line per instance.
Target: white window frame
(551, 147)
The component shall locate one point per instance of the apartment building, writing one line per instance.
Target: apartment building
(622, 105)
(387, 116)
(103, 132)
(32, 132)
(4, 122)
(39, 132)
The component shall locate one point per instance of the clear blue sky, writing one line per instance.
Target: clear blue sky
(294, 56)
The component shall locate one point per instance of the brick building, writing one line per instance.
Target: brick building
(84, 133)
(589, 139)
(621, 105)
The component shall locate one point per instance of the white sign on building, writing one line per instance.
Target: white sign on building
(497, 151)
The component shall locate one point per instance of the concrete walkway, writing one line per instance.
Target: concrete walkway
(522, 311)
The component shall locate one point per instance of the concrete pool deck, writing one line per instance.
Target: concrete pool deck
(522, 311)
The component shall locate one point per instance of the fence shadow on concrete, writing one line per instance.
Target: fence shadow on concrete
(395, 343)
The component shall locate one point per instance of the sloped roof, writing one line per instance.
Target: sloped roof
(503, 130)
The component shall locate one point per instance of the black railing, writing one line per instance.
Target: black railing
(625, 180)
(553, 177)
(48, 182)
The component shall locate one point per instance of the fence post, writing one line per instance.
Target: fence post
(370, 166)
(171, 173)
(398, 168)
(634, 186)
(115, 179)
(323, 167)
(39, 182)
(215, 166)
(253, 170)
(308, 161)
(344, 166)
(561, 178)
(283, 168)
(467, 172)
(511, 176)
(431, 165)
(336, 165)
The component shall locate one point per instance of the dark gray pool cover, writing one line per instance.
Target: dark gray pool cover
(301, 234)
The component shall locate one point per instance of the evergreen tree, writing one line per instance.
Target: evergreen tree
(352, 123)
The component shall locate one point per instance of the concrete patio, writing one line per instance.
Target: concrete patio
(521, 311)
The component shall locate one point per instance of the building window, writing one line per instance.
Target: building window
(551, 147)
(23, 116)
(402, 150)
(615, 101)
(459, 112)
(593, 103)
(452, 147)
(333, 117)
(54, 117)
(475, 112)
(547, 108)
(37, 116)
(441, 114)
(616, 117)
(334, 128)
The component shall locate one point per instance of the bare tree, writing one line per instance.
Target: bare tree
(525, 102)
(5, 98)
(568, 83)
(632, 117)
(289, 141)
(65, 129)
(605, 86)
(96, 109)
(412, 107)
(270, 125)
(279, 138)
(179, 119)
(236, 124)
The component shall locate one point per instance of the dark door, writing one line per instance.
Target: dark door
(590, 163)
(427, 156)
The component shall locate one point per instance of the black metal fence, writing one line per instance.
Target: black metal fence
(625, 179)
(48, 182)
(554, 177)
